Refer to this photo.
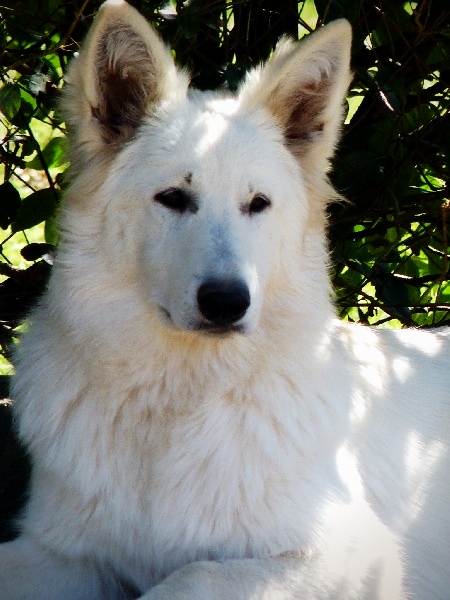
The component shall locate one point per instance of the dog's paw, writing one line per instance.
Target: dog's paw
(196, 581)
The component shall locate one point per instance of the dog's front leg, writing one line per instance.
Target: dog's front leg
(28, 571)
(268, 579)
(286, 577)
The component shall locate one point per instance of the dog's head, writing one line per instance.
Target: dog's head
(204, 198)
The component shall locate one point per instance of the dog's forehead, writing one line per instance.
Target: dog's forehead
(229, 147)
(218, 121)
(217, 130)
(210, 138)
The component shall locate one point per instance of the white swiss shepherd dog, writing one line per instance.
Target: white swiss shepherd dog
(201, 426)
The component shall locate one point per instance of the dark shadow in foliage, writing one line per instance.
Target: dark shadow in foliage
(14, 469)
(18, 293)
(390, 244)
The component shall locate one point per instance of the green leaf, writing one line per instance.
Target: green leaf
(23, 117)
(53, 155)
(444, 296)
(34, 209)
(2, 35)
(28, 146)
(35, 250)
(409, 268)
(10, 100)
(9, 204)
(51, 231)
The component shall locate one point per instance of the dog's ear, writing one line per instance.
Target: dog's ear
(303, 86)
(123, 72)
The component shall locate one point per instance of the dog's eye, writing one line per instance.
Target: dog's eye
(175, 199)
(258, 204)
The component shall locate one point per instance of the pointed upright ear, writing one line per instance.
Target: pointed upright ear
(303, 86)
(123, 72)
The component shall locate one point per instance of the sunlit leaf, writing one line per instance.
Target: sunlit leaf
(10, 100)
(53, 155)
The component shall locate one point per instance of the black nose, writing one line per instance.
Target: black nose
(223, 302)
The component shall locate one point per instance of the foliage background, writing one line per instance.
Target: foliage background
(390, 242)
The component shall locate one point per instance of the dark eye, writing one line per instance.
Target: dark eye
(175, 199)
(258, 204)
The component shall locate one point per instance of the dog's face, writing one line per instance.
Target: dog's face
(205, 193)
(212, 195)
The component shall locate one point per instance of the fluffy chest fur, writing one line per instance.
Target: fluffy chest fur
(231, 477)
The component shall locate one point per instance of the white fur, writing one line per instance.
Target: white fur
(293, 457)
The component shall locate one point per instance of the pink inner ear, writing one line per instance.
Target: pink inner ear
(303, 98)
(125, 82)
(306, 118)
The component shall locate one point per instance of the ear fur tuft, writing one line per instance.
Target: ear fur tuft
(303, 86)
(123, 72)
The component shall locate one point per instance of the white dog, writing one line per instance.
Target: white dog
(201, 426)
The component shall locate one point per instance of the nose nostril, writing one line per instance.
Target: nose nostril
(223, 302)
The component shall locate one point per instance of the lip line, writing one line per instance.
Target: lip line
(201, 327)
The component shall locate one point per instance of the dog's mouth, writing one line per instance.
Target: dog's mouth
(224, 331)
(203, 327)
